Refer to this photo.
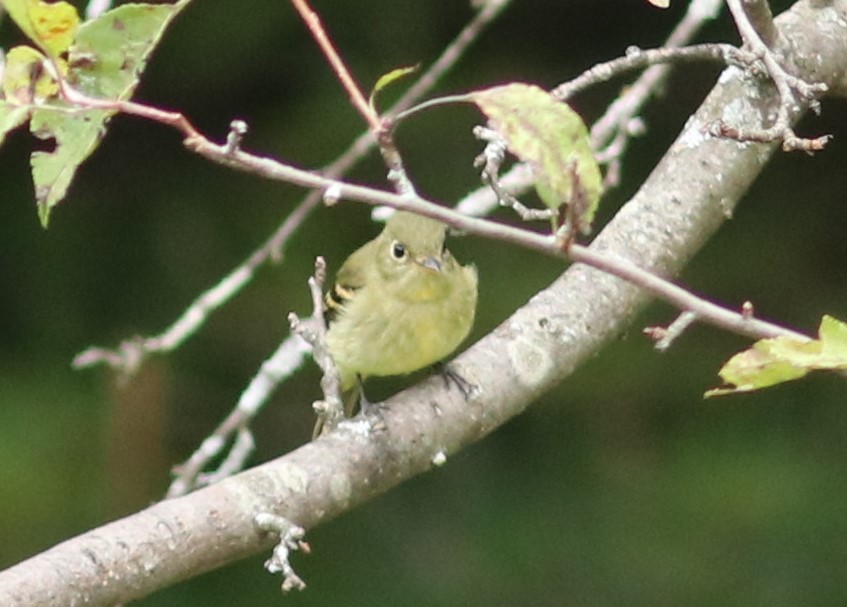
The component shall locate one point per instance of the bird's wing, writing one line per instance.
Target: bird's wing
(351, 277)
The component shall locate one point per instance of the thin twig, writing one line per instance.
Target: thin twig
(488, 12)
(761, 19)
(636, 59)
(665, 336)
(131, 353)
(397, 175)
(235, 460)
(329, 410)
(448, 58)
(357, 98)
(621, 111)
(491, 159)
(786, 86)
(290, 539)
(289, 357)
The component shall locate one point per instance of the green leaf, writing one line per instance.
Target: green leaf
(387, 79)
(111, 51)
(11, 117)
(105, 62)
(76, 136)
(25, 78)
(833, 334)
(548, 135)
(51, 26)
(780, 359)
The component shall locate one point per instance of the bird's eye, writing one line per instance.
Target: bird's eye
(398, 250)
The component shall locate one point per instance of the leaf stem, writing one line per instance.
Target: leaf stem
(430, 103)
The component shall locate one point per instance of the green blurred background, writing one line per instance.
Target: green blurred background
(623, 486)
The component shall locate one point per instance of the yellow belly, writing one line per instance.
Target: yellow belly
(392, 337)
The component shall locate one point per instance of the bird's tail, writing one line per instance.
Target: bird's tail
(350, 400)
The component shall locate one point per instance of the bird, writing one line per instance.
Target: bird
(399, 303)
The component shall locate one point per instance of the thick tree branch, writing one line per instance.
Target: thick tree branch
(682, 203)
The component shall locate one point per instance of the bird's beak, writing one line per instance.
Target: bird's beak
(430, 263)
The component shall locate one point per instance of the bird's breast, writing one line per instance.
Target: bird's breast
(392, 336)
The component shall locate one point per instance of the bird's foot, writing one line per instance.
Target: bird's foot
(452, 377)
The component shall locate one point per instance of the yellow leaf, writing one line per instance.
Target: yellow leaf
(25, 79)
(387, 79)
(780, 359)
(52, 26)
